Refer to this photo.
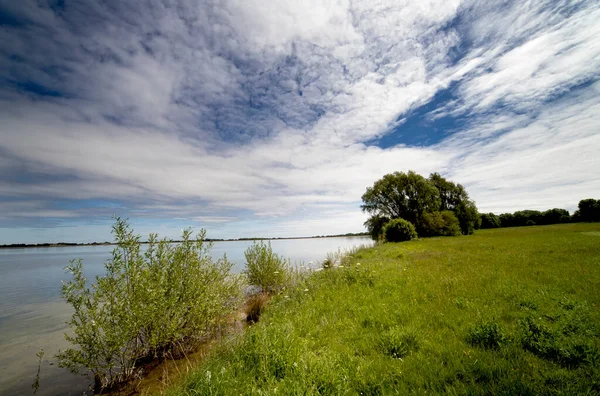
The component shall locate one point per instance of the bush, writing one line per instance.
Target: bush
(439, 224)
(399, 230)
(266, 269)
(146, 305)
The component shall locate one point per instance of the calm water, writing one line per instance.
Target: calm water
(32, 314)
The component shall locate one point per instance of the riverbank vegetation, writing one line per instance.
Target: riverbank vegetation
(147, 306)
(505, 311)
(588, 210)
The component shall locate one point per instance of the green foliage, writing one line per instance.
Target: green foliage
(589, 210)
(528, 217)
(147, 304)
(486, 335)
(399, 230)
(489, 220)
(401, 195)
(439, 224)
(266, 269)
(411, 197)
(375, 226)
(468, 216)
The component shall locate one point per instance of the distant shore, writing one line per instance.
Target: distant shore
(71, 244)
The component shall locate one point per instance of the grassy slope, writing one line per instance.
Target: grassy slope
(511, 311)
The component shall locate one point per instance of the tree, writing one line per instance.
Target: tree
(454, 197)
(589, 210)
(410, 196)
(375, 226)
(489, 220)
(555, 216)
(401, 195)
(467, 215)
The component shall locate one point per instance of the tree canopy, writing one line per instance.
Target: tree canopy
(410, 196)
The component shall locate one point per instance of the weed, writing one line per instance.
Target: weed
(486, 335)
(398, 343)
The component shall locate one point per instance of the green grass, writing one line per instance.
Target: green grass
(505, 311)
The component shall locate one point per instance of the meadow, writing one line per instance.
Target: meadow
(503, 311)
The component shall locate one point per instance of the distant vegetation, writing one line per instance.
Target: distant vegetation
(434, 206)
(438, 207)
(588, 211)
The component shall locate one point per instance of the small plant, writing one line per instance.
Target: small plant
(36, 383)
(399, 230)
(486, 335)
(266, 269)
(398, 343)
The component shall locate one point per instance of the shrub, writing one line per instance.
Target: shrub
(399, 230)
(486, 335)
(146, 305)
(266, 269)
(439, 224)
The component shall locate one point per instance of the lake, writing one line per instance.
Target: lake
(32, 314)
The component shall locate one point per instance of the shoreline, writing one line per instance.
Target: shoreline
(72, 244)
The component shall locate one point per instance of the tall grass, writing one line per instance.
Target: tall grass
(505, 311)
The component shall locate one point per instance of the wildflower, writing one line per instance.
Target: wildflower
(276, 272)
(357, 263)
(305, 290)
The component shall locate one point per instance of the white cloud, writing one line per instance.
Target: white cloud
(207, 110)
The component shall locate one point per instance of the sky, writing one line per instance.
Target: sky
(271, 118)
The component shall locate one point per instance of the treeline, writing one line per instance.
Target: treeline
(588, 211)
(58, 244)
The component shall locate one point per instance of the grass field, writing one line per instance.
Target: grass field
(505, 311)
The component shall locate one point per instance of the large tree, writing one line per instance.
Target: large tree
(401, 195)
(409, 196)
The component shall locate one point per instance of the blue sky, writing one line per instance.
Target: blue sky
(271, 118)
